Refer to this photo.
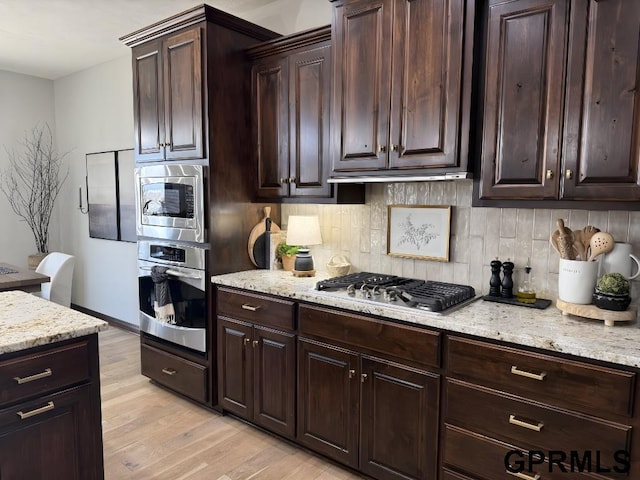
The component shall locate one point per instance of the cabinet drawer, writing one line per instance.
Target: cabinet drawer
(181, 375)
(43, 372)
(543, 378)
(485, 458)
(405, 342)
(260, 309)
(532, 425)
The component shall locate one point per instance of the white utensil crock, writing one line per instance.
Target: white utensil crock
(620, 260)
(577, 281)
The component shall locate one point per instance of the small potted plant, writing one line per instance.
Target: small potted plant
(287, 254)
(612, 292)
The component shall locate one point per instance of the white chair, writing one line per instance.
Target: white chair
(59, 267)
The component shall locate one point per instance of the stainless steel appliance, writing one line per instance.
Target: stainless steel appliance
(170, 202)
(186, 279)
(428, 295)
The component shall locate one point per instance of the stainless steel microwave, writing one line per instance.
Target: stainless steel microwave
(170, 202)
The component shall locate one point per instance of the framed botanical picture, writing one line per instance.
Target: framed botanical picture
(419, 231)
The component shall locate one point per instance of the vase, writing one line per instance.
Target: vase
(34, 260)
(288, 261)
(610, 301)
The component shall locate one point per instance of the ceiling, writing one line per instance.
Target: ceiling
(54, 38)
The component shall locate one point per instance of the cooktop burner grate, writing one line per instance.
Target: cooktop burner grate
(423, 294)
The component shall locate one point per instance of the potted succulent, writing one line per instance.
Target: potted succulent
(612, 292)
(287, 254)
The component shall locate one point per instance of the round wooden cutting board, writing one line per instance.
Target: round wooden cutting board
(258, 230)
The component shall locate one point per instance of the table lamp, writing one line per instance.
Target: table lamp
(303, 230)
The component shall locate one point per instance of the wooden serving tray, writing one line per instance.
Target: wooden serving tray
(591, 311)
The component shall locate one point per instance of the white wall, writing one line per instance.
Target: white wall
(24, 102)
(94, 113)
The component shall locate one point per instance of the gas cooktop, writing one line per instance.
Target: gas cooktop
(439, 297)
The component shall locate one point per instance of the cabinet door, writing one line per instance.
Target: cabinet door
(602, 134)
(182, 64)
(399, 421)
(310, 104)
(50, 438)
(328, 403)
(148, 105)
(361, 32)
(270, 126)
(523, 91)
(274, 380)
(427, 83)
(235, 364)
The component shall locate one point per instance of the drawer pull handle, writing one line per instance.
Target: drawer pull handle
(169, 371)
(47, 373)
(536, 376)
(535, 427)
(24, 415)
(535, 476)
(252, 308)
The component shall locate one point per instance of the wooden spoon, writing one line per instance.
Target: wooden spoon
(565, 241)
(586, 234)
(601, 242)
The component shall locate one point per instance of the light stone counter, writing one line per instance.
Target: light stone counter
(546, 329)
(28, 321)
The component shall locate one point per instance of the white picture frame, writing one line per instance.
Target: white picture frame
(419, 231)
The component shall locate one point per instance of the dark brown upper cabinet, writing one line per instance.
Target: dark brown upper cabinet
(402, 85)
(167, 78)
(291, 101)
(560, 104)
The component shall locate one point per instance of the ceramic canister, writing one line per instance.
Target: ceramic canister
(577, 281)
(620, 260)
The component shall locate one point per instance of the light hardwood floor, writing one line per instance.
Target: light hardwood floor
(150, 433)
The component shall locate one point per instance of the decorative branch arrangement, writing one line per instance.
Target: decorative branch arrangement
(33, 180)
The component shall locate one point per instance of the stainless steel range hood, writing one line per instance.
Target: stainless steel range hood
(401, 178)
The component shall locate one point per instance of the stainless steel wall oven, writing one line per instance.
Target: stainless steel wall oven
(170, 202)
(176, 273)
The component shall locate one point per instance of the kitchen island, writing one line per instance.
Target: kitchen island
(50, 415)
(413, 394)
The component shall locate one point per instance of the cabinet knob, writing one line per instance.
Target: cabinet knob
(247, 341)
(549, 174)
(284, 180)
(382, 148)
(363, 377)
(352, 373)
(292, 179)
(395, 148)
(568, 174)
(255, 343)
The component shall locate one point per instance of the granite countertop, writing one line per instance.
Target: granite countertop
(546, 329)
(28, 321)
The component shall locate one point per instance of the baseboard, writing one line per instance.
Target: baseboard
(110, 320)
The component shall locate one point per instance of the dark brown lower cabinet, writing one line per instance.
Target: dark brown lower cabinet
(366, 412)
(50, 420)
(257, 380)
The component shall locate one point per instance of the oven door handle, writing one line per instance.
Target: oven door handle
(176, 273)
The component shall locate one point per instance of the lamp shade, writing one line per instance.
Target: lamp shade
(303, 230)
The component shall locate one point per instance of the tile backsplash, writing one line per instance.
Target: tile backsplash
(478, 235)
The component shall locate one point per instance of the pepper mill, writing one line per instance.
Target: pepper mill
(494, 281)
(507, 279)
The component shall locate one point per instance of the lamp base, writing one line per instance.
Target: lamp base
(303, 273)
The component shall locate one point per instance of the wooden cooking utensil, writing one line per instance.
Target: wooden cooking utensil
(585, 236)
(578, 246)
(565, 241)
(601, 242)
